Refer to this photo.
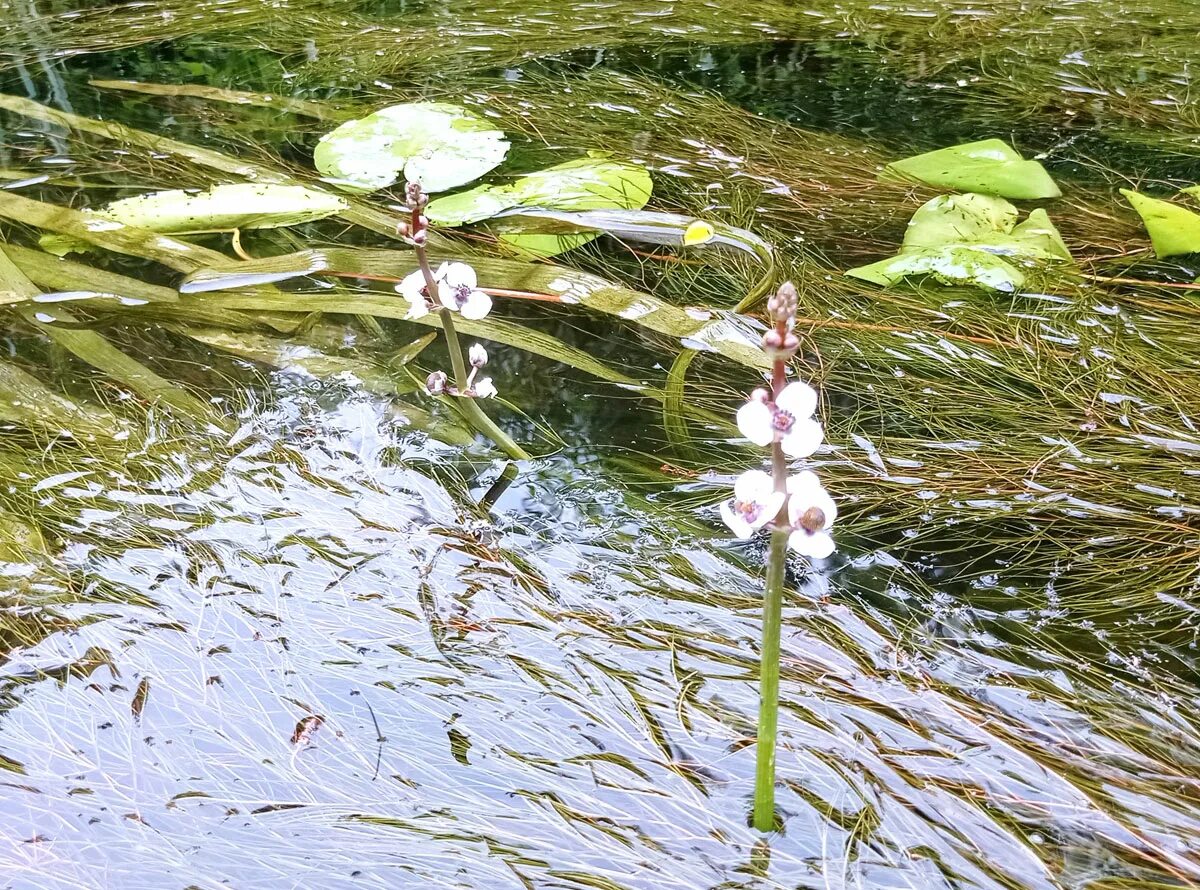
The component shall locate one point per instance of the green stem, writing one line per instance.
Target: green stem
(768, 691)
(470, 405)
(768, 671)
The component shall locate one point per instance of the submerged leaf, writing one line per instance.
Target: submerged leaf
(959, 239)
(218, 209)
(954, 264)
(990, 166)
(591, 183)
(436, 144)
(1173, 230)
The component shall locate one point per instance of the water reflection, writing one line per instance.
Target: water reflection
(341, 675)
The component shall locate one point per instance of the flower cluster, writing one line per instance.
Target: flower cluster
(781, 418)
(455, 287)
(457, 291)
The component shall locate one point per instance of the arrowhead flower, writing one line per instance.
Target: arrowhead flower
(755, 503)
(414, 289)
(787, 420)
(458, 292)
(811, 513)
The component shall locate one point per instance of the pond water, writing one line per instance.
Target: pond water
(256, 630)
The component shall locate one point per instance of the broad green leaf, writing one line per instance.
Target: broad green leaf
(218, 209)
(959, 239)
(952, 219)
(949, 265)
(591, 183)
(1173, 230)
(989, 166)
(439, 145)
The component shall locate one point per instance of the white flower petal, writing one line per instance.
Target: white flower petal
(770, 508)
(815, 546)
(448, 295)
(803, 438)
(484, 388)
(459, 275)
(806, 491)
(753, 485)
(477, 305)
(798, 400)
(737, 524)
(411, 287)
(755, 422)
(417, 308)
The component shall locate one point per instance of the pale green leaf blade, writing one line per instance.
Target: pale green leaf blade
(225, 207)
(989, 166)
(1173, 230)
(952, 264)
(950, 219)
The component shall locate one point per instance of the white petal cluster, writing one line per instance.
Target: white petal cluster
(810, 511)
(457, 290)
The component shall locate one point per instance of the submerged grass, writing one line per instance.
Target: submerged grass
(1027, 457)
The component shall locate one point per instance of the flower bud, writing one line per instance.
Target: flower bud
(419, 237)
(414, 195)
(782, 306)
(477, 355)
(760, 395)
(436, 383)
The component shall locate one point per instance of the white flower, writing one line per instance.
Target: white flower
(477, 355)
(755, 503)
(811, 512)
(458, 292)
(788, 421)
(413, 289)
(484, 388)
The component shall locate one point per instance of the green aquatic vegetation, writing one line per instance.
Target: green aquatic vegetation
(221, 208)
(990, 166)
(964, 239)
(1174, 230)
(442, 146)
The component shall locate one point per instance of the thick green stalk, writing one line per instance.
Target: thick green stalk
(768, 671)
(768, 689)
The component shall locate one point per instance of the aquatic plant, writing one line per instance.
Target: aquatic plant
(796, 509)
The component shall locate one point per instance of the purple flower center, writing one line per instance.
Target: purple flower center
(749, 510)
(782, 420)
(462, 293)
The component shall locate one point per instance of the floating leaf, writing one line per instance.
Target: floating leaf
(949, 265)
(219, 209)
(960, 239)
(989, 166)
(1173, 230)
(591, 183)
(438, 145)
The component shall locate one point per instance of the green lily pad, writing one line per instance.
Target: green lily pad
(591, 183)
(1173, 230)
(952, 264)
(961, 239)
(990, 166)
(218, 209)
(439, 145)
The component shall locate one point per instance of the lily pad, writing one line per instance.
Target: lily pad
(990, 166)
(439, 145)
(1173, 230)
(218, 209)
(962, 239)
(952, 264)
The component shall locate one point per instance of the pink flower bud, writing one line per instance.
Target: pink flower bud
(436, 383)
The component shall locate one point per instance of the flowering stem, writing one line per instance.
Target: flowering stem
(468, 404)
(768, 683)
(768, 689)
